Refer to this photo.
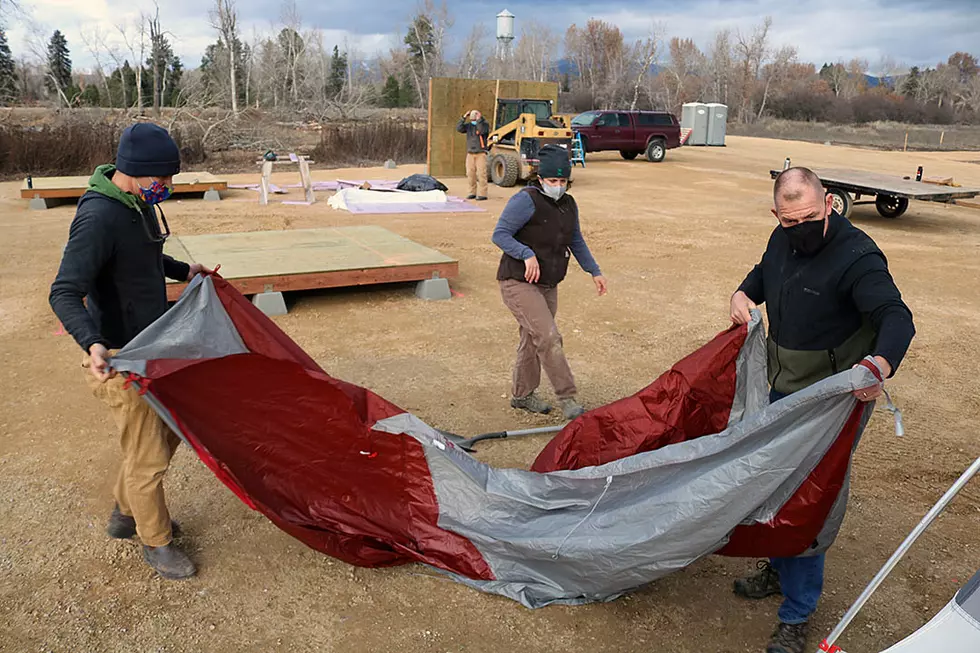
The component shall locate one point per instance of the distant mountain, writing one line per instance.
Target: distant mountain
(568, 67)
(873, 81)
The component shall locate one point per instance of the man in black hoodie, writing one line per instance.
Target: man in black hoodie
(110, 286)
(831, 302)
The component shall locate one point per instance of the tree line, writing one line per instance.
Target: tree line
(291, 70)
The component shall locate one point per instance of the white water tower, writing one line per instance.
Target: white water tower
(505, 33)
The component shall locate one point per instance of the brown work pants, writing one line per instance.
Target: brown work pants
(147, 447)
(535, 308)
(476, 173)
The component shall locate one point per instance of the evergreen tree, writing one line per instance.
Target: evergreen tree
(214, 68)
(421, 41)
(172, 97)
(910, 85)
(338, 73)
(391, 93)
(8, 73)
(59, 64)
(407, 97)
(91, 97)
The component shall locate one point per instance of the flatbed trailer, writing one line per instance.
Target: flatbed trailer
(891, 193)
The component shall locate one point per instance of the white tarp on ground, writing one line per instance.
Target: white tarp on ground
(346, 198)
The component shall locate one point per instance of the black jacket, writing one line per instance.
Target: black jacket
(476, 135)
(828, 311)
(112, 262)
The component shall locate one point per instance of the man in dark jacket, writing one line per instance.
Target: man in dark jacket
(476, 129)
(831, 302)
(536, 231)
(110, 286)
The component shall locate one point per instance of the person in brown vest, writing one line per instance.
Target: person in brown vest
(537, 231)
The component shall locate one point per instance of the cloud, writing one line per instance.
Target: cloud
(916, 32)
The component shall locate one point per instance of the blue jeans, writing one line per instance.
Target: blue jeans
(800, 578)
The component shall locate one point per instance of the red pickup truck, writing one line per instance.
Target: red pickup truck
(631, 132)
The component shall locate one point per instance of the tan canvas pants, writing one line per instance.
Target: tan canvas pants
(535, 308)
(476, 173)
(147, 447)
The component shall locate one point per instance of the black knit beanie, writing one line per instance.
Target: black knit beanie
(147, 150)
(553, 162)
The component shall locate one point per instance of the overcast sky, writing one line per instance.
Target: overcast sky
(914, 32)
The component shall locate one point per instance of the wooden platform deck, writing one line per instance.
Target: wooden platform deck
(74, 187)
(871, 183)
(305, 259)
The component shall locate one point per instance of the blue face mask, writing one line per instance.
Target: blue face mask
(156, 193)
(472, 122)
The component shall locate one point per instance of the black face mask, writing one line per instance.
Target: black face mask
(806, 238)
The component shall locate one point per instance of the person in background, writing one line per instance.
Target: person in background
(831, 302)
(110, 286)
(476, 129)
(537, 231)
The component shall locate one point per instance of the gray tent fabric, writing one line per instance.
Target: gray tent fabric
(197, 327)
(591, 534)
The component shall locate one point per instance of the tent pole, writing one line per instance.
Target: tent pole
(828, 644)
(467, 445)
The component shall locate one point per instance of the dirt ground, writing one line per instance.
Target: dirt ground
(674, 240)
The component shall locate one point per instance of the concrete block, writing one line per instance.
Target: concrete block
(211, 195)
(433, 289)
(270, 303)
(390, 164)
(40, 204)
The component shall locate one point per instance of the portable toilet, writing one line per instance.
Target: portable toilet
(717, 119)
(694, 116)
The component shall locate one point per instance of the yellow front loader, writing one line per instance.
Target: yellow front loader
(521, 128)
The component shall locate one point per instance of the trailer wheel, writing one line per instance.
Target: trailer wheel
(504, 170)
(842, 201)
(656, 151)
(890, 206)
(629, 156)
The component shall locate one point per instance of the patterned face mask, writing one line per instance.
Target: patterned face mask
(156, 193)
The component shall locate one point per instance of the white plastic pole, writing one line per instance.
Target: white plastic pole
(900, 553)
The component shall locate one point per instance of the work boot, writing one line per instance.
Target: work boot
(571, 408)
(169, 561)
(763, 584)
(471, 196)
(531, 403)
(788, 638)
(123, 527)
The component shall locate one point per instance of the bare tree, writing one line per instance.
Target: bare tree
(534, 51)
(293, 46)
(156, 54)
(720, 66)
(682, 79)
(888, 69)
(224, 19)
(774, 72)
(751, 51)
(644, 55)
(97, 48)
(473, 61)
(136, 44)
